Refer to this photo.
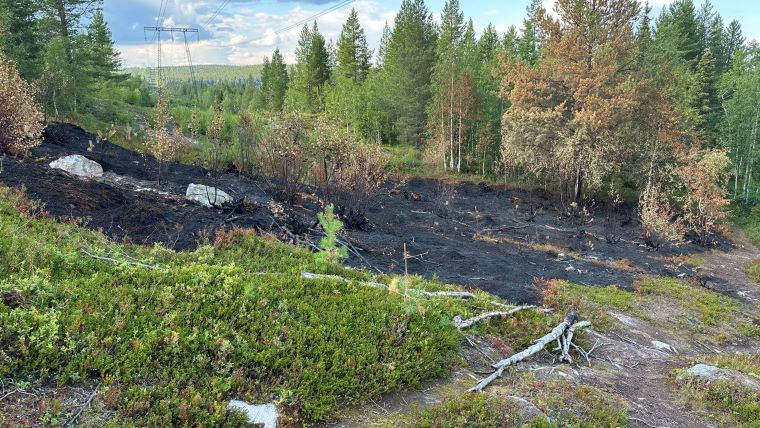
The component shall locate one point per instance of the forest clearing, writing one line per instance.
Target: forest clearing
(555, 225)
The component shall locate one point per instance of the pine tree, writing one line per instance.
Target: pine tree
(567, 114)
(408, 63)
(20, 39)
(353, 60)
(312, 70)
(528, 47)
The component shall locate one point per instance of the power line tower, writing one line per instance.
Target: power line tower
(157, 31)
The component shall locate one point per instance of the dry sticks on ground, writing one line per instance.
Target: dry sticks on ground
(452, 294)
(460, 323)
(563, 333)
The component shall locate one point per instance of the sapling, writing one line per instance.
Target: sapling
(331, 225)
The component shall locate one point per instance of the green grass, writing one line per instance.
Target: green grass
(749, 221)
(592, 303)
(707, 308)
(710, 307)
(728, 404)
(753, 270)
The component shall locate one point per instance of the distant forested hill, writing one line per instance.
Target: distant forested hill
(202, 72)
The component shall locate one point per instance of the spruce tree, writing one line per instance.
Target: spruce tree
(278, 85)
(707, 107)
(102, 59)
(527, 47)
(383, 49)
(734, 40)
(353, 59)
(409, 60)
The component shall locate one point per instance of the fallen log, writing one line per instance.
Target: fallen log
(460, 323)
(452, 294)
(428, 294)
(556, 333)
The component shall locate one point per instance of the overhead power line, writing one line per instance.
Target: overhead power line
(215, 14)
(340, 5)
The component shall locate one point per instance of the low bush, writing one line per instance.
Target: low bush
(20, 117)
(179, 334)
(704, 176)
(727, 403)
(658, 218)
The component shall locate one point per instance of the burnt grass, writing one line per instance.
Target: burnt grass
(501, 240)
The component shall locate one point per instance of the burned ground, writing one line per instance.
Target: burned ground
(497, 239)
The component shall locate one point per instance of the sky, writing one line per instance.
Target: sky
(246, 31)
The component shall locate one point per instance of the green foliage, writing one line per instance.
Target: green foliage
(331, 253)
(711, 307)
(274, 82)
(205, 73)
(353, 57)
(727, 403)
(179, 339)
(408, 64)
(566, 404)
(472, 410)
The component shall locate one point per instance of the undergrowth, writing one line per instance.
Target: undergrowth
(172, 336)
(729, 404)
(565, 403)
(698, 308)
(178, 334)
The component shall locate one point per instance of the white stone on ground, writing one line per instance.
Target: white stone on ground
(262, 414)
(714, 374)
(206, 195)
(78, 165)
(662, 346)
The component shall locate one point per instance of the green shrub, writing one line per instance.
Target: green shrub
(180, 338)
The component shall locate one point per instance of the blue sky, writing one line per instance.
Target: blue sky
(244, 32)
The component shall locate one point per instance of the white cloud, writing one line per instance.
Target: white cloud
(245, 35)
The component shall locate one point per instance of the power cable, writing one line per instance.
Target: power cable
(340, 5)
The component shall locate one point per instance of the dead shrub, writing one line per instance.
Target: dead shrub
(162, 145)
(349, 173)
(704, 176)
(224, 238)
(283, 156)
(658, 218)
(444, 198)
(20, 117)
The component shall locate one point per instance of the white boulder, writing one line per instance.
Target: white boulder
(206, 195)
(258, 414)
(78, 165)
(662, 346)
(715, 374)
